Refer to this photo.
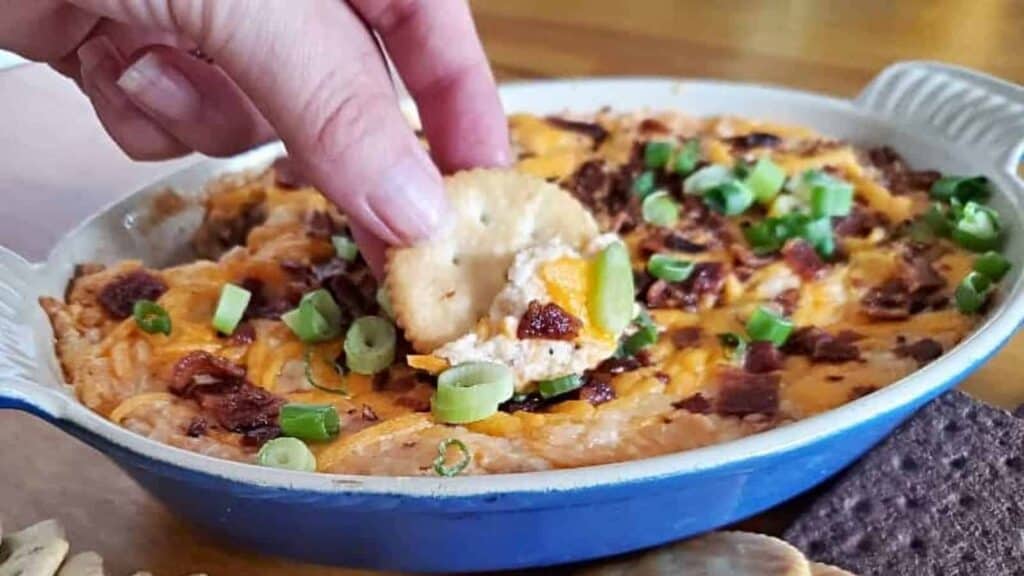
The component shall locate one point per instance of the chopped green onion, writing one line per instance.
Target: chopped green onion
(370, 345)
(972, 292)
(729, 198)
(993, 265)
(442, 456)
(687, 157)
(287, 453)
(736, 342)
(963, 188)
(669, 268)
(384, 301)
(471, 391)
(921, 232)
(611, 296)
(818, 234)
(764, 325)
(938, 220)
(977, 228)
(765, 180)
(645, 335)
(831, 200)
(559, 386)
(785, 204)
(230, 308)
(660, 209)
(151, 317)
(345, 248)
(316, 422)
(318, 317)
(657, 154)
(308, 360)
(762, 237)
(644, 184)
(707, 178)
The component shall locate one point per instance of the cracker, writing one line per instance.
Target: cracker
(733, 553)
(35, 551)
(942, 495)
(440, 288)
(83, 564)
(819, 569)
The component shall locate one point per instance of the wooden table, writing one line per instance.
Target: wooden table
(832, 46)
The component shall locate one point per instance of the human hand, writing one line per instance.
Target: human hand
(308, 72)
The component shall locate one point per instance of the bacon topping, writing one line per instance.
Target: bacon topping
(803, 259)
(706, 279)
(763, 357)
(896, 175)
(594, 131)
(588, 180)
(685, 337)
(597, 389)
(923, 351)
(741, 393)
(914, 288)
(821, 346)
(787, 300)
(697, 404)
(547, 321)
(858, 223)
(244, 334)
(754, 140)
(887, 301)
(119, 296)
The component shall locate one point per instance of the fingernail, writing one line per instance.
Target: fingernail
(160, 88)
(411, 198)
(99, 63)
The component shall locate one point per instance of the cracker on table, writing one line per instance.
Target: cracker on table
(733, 553)
(440, 288)
(819, 569)
(83, 564)
(37, 550)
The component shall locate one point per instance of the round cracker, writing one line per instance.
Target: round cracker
(718, 553)
(440, 288)
(819, 569)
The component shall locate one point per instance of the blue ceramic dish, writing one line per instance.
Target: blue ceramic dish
(936, 116)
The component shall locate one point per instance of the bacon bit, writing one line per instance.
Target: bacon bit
(763, 357)
(706, 279)
(653, 126)
(744, 256)
(888, 301)
(597, 390)
(687, 337)
(742, 393)
(588, 180)
(414, 403)
(896, 175)
(200, 369)
(835, 377)
(262, 304)
(697, 404)
(787, 300)
(803, 259)
(592, 130)
(858, 223)
(860, 392)
(616, 366)
(197, 427)
(923, 351)
(820, 346)
(919, 275)
(753, 140)
(119, 296)
(368, 414)
(259, 436)
(679, 243)
(320, 225)
(244, 334)
(547, 321)
(915, 287)
(528, 403)
(287, 175)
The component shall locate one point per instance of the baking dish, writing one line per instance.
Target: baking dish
(935, 115)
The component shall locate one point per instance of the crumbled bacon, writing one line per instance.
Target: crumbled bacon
(367, 414)
(753, 140)
(619, 365)
(858, 223)
(763, 357)
(529, 403)
(915, 287)
(119, 296)
(222, 231)
(741, 393)
(888, 301)
(787, 300)
(320, 224)
(697, 404)
(244, 334)
(820, 346)
(706, 279)
(923, 351)
(588, 180)
(803, 259)
(653, 126)
(547, 321)
(686, 337)
(896, 175)
(592, 130)
(197, 427)
(263, 303)
(597, 390)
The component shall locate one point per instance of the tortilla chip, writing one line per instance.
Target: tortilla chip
(734, 553)
(35, 551)
(440, 288)
(83, 564)
(818, 569)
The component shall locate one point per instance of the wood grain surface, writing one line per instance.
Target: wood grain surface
(833, 46)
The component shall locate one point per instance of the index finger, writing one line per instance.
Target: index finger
(437, 52)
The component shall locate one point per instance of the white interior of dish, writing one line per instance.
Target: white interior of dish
(115, 233)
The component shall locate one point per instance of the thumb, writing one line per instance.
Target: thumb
(314, 72)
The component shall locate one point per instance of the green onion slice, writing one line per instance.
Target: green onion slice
(687, 157)
(993, 265)
(977, 228)
(151, 317)
(287, 453)
(471, 391)
(440, 466)
(316, 422)
(644, 184)
(660, 209)
(730, 198)
(657, 154)
(765, 180)
(230, 308)
(370, 345)
(938, 220)
(818, 234)
(645, 335)
(834, 200)
(963, 188)
(318, 317)
(611, 294)
(559, 386)
(764, 325)
(972, 292)
(311, 378)
(384, 301)
(345, 248)
(707, 178)
(735, 342)
(669, 268)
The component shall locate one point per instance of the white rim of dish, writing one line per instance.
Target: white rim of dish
(980, 344)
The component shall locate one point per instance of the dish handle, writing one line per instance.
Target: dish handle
(975, 110)
(19, 357)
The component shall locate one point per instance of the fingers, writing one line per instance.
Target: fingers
(435, 47)
(313, 71)
(373, 249)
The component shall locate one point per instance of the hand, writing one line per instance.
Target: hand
(167, 77)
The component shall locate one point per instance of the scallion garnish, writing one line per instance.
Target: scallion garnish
(765, 180)
(440, 466)
(311, 378)
(764, 325)
(669, 268)
(963, 188)
(471, 391)
(687, 157)
(977, 227)
(287, 453)
(646, 335)
(230, 308)
(818, 234)
(644, 184)
(660, 209)
(384, 301)
(734, 342)
(707, 178)
(370, 345)
(345, 248)
(611, 294)
(318, 317)
(835, 200)
(316, 422)
(151, 317)
(993, 265)
(657, 154)
(972, 292)
(730, 198)
(559, 386)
